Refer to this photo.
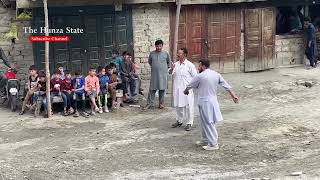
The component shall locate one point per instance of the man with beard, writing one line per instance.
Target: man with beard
(159, 61)
(207, 83)
(183, 71)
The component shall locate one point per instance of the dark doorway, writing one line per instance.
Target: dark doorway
(104, 30)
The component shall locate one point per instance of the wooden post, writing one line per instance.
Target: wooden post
(46, 59)
(175, 41)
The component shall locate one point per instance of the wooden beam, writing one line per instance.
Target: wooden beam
(175, 42)
(57, 3)
(46, 18)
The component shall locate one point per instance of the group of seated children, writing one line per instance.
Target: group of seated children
(97, 87)
(73, 91)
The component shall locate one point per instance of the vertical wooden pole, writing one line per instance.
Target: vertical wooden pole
(175, 41)
(47, 68)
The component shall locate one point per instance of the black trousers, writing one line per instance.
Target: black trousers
(131, 82)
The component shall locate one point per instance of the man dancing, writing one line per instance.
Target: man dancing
(207, 84)
(183, 72)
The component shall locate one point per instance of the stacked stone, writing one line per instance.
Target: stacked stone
(19, 53)
(289, 50)
(7, 15)
(150, 22)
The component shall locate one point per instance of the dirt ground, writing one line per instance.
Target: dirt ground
(272, 133)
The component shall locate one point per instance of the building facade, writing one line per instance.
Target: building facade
(235, 35)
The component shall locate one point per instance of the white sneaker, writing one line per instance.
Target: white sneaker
(100, 110)
(93, 113)
(97, 109)
(211, 148)
(106, 110)
(201, 143)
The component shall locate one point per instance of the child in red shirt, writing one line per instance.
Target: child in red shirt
(67, 91)
(56, 90)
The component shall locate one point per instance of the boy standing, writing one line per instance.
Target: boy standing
(103, 95)
(32, 85)
(127, 77)
(116, 60)
(56, 90)
(67, 91)
(78, 94)
(92, 87)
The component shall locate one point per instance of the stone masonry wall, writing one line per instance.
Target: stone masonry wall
(150, 22)
(19, 54)
(289, 50)
(6, 16)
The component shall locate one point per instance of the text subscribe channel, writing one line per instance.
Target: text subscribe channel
(49, 38)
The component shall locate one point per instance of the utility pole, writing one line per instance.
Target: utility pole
(46, 59)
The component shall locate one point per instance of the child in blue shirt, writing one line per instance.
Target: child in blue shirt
(103, 94)
(116, 60)
(78, 93)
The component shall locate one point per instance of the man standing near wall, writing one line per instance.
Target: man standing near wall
(207, 83)
(159, 61)
(183, 72)
(311, 43)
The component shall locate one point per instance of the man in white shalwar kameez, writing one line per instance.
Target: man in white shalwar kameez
(183, 71)
(207, 83)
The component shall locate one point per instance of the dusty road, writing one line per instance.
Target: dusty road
(272, 133)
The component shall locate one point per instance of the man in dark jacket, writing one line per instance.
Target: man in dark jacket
(311, 43)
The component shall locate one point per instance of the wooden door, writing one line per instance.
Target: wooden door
(196, 32)
(92, 45)
(192, 29)
(39, 47)
(259, 39)
(212, 33)
(76, 60)
(268, 37)
(60, 49)
(224, 38)
(104, 30)
(108, 40)
(69, 54)
(123, 31)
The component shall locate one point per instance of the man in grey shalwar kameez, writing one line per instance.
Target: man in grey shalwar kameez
(207, 83)
(159, 61)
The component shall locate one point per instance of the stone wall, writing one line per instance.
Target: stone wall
(150, 22)
(23, 51)
(289, 50)
(6, 16)
(19, 53)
